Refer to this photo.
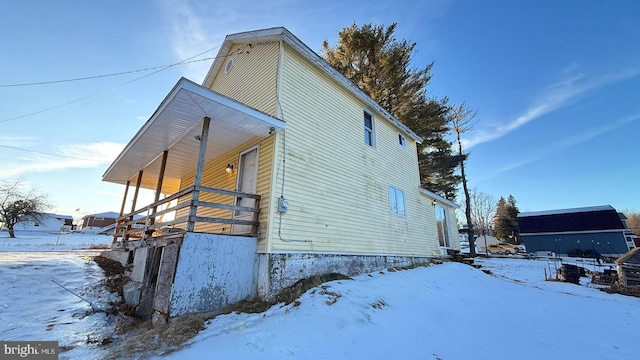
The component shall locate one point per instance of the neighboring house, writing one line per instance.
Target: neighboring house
(99, 223)
(571, 231)
(49, 223)
(276, 169)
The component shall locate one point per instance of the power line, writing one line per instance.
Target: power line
(103, 75)
(185, 61)
(50, 154)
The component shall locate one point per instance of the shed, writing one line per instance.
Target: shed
(628, 266)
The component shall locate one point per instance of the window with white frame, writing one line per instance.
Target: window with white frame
(368, 128)
(442, 225)
(396, 201)
(402, 141)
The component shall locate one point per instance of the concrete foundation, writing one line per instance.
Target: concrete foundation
(123, 257)
(279, 271)
(214, 271)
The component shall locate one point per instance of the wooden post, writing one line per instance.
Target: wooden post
(165, 154)
(124, 201)
(197, 181)
(133, 204)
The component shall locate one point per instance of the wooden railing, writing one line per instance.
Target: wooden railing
(144, 223)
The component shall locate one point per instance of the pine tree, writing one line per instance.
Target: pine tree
(505, 224)
(372, 58)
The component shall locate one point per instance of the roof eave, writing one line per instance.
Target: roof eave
(439, 198)
(281, 33)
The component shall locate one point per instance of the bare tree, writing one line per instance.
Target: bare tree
(633, 221)
(461, 120)
(483, 210)
(18, 206)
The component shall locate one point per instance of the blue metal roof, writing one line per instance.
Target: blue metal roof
(570, 220)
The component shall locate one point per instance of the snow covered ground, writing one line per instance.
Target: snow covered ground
(448, 311)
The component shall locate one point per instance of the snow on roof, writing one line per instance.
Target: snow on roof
(57, 216)
(566, 211)
(108, 214)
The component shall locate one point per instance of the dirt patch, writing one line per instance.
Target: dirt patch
(293, 292)
(619, 289)
(114, 281)
(250, 307)
(142, 337)
(110, 267)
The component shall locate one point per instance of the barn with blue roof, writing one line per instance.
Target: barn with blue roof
(585, 230)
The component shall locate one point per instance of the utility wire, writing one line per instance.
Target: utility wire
(50, 154)
(104, 75)
(161, 68)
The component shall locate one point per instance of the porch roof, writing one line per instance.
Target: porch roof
(175, 125)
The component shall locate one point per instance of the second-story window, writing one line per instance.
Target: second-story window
(368, 129)
(402, 141)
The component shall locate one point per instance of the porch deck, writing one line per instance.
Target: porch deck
(190, 214)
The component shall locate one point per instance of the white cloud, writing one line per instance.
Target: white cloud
(189, 35)
(18, 141)
(67, 157)
(569, 142)
(555, 97)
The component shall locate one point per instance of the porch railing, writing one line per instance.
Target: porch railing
(144, 223)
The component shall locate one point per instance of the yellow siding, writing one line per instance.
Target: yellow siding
(336, 185)
(252, 79)
(214, 175)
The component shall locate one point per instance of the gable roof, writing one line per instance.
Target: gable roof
(282, 34)
(591, 218)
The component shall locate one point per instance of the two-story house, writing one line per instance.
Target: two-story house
(275, 169)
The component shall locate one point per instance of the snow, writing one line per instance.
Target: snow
(448, 311)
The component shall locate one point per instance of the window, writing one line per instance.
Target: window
(402, 141)
(368, 128)
(442, 224)
(229, 65)
(396, 201)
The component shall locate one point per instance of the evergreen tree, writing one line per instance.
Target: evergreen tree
(505, 223)
(372, 59)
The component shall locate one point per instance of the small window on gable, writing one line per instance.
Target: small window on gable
(229, 65)
(396, 201)
(368, 129)
(402, 141)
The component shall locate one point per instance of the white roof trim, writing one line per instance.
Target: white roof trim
(566, 211)
(281, 33)
(438, 198)
(173, 126)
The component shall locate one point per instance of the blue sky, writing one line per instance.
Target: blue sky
(556, 85)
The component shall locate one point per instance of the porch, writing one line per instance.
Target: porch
(190, 214)
(199, 153)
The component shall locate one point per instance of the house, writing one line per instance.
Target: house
(99, 223)
(275, 169)
(49, 223)
(576, 231)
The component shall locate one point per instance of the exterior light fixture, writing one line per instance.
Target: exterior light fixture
(230, 168)
(434, 203)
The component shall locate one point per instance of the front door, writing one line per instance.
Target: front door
(246, 182)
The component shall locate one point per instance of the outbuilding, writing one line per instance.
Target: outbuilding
(576, 231)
